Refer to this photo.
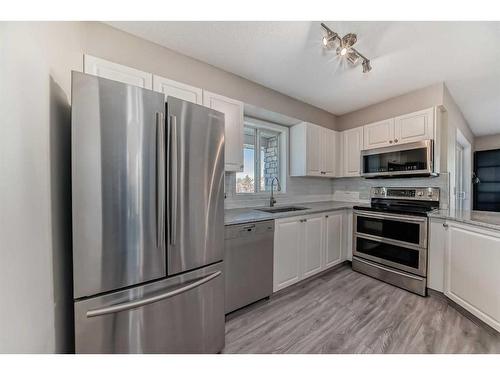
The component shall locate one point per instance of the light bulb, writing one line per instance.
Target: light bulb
(343, 51)
(325, 41)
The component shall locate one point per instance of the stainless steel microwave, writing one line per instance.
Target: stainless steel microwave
(406, 160)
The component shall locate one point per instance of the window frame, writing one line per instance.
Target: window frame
(282, 151)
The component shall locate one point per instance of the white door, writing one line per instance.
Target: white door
(328, 152)
(313, 245)
(351, 148)
(178, 90)
(414, 127)
(313, 150)
(472, 261)
(333, 238)
(233, 112)
(287, 251)
(378, 134)
(117, 72)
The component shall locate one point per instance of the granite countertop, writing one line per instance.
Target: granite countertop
(486, 219)
(249, 215)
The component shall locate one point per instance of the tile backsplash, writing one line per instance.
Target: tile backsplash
(363, 185)
(314, 189)
(298, 189)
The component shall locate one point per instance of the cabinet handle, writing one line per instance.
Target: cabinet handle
(445, 225)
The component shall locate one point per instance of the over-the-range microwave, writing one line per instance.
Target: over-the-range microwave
(406, 160)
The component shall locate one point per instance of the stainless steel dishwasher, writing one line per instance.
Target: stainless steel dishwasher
(248, 263)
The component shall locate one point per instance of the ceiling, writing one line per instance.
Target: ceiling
(288, 57)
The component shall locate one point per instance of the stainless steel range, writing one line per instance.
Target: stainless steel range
(391, 236)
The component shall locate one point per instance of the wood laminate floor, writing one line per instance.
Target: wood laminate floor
(347, 312)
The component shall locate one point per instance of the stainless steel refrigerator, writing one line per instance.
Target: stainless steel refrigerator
(148, 221)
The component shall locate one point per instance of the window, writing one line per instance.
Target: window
(264, 157)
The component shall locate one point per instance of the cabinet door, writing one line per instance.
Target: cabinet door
(437, 242)
(347, 235)
(117, 72)
(178, 90)
(233, 111)
(328, 151)
(313, 246)
(414, 127)
(313, 150)
(287, 250)
(333, 238)
(378, 134)
(472, 261)
(352, 144)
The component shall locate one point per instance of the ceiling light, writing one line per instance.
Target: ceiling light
(345, 47)
(366, 66)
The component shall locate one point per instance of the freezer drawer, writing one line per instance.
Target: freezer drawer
(182, 314)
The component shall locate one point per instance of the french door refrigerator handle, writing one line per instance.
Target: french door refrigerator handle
(146, 301)
(160, 179)
(173, 180)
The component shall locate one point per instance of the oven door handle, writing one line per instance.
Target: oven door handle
(390, 241)
(405, 218)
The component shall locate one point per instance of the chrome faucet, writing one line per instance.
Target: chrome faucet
(272, 201)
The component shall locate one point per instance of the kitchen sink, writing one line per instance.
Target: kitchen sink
(275, 210)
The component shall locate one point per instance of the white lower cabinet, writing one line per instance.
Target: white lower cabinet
(306, 245)
(333, 238)
(287, 252)
(435, 255)
(313, 245)
(471, 271)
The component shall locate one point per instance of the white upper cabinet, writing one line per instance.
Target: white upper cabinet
(117, 72)
(352, 143)
(313, 151)
(233, 112)
(178, 90)
(414, 127)
(329, 149)
(378, 134)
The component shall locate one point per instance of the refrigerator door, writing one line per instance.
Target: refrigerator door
(118, 181)
(181, 314)
(196, 186)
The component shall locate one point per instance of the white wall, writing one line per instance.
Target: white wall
(34, 109)
(455, 120)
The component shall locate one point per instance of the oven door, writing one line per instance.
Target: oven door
(397, 241)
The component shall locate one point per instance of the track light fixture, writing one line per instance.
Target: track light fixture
(344, 47)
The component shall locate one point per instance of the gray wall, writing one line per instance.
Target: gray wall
(487, 142)
(112, 44)
(413, 101)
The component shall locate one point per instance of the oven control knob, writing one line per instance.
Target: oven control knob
(420, 193)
